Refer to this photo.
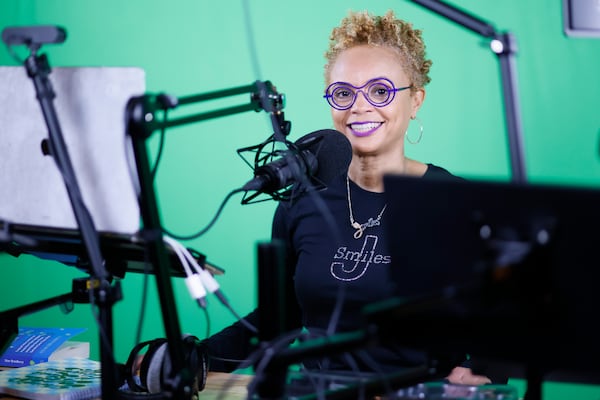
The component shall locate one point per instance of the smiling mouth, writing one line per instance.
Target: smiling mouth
(364, 128)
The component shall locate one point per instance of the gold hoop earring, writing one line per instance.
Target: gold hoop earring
(420, 132)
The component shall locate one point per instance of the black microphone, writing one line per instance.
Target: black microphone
(33, 35)
(317, 157)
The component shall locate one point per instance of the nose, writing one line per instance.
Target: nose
(360, 102)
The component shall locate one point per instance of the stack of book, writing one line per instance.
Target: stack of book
(37, 345)
(66, 379)
(47, 365)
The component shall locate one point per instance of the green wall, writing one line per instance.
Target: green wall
(193, 46)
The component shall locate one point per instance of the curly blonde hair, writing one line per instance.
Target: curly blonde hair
(362, 28)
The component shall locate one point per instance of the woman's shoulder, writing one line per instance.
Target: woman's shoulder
(437, 172)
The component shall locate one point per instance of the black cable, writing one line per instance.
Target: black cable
(207, 319)
(210, 224)
(147, 271)
(251, 41)
(161, 145)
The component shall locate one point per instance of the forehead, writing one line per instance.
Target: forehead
(360, 64)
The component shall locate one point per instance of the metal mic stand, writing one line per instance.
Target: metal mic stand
(141, 123)
(505, 46)
(38, 69)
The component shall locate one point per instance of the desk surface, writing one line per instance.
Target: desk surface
(226, 386)
(219, 385)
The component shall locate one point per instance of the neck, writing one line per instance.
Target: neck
(368, 172)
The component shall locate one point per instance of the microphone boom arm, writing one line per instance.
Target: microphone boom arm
(263, 97)
(141, 123)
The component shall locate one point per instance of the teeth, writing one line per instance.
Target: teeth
(365, 127)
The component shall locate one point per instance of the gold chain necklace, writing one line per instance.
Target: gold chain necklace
(360, 228)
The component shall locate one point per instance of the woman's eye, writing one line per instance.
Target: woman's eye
(380, 91)
(343, 93)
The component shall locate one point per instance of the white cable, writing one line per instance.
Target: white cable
(206, 279)
(209, 282)
(196, 289)
(193, 280)
(177, 249)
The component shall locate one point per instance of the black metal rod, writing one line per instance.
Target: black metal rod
(204, 116)
(534, 378)
(271, 295)
(512, 107)
(180, 379)
(105, 298)
(38, 305)
(461, 17)
(272, 306)
(508, 75)
(38, 69)
(216, 94)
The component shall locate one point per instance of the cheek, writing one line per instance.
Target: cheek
(398, 116)
(339, 119)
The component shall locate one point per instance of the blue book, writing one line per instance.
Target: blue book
(66, 379)
(36, 345)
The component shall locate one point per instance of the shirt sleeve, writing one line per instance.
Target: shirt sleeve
(228, 348)
(234, 344)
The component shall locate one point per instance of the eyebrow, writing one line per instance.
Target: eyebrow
(367, 82)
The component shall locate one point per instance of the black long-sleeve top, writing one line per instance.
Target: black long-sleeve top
(324, 260)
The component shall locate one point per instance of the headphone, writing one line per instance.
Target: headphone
(156, 365)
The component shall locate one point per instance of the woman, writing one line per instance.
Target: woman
(375, 75)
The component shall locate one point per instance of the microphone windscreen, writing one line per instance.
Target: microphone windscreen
(333, 152)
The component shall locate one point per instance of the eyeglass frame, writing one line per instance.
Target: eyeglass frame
(391, 92)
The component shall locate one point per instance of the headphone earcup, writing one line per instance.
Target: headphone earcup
(130, 370)
(156, 364)
(156, 367)
(196, 360)
(152, 359)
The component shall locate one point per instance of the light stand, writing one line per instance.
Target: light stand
(504, 45)
(140, 125)
(38, 69)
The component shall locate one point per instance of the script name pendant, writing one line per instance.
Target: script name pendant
(360, 228)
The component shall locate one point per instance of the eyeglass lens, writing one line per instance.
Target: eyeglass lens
(379, 92)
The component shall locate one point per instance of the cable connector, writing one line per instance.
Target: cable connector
(209, 282)
(196, 289)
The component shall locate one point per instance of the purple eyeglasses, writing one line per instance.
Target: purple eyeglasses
(379, 92)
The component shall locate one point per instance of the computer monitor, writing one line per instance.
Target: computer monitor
(513, 268)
